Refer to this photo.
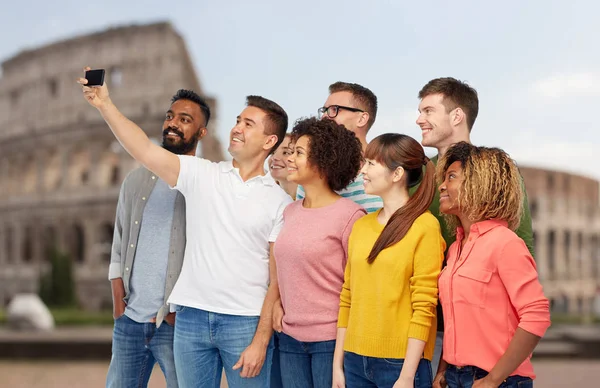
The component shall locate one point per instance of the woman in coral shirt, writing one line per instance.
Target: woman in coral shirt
(494, 309)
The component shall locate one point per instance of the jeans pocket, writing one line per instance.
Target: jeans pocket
(394, 361)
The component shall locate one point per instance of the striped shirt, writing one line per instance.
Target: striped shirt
(356, 192)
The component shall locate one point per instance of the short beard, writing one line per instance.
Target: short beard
(183, 147)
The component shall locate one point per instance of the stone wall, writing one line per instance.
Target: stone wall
(60, 166)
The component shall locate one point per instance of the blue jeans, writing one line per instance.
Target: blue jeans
(207, 342)
(464, 377)
(275, 365)
(371, 372)
(305, 364)
(136, 347)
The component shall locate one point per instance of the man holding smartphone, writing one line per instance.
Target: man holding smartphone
(228, 284)
(147, 255)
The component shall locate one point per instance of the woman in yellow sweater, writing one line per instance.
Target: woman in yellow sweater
(386, 324)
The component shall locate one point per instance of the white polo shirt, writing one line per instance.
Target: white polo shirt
(230, 224)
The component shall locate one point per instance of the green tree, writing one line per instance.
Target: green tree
(57, 288)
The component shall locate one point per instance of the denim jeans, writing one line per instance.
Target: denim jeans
(207, 342)
(305, 364)
(136, 347)
(275, 365)
(464, 377)
(371, 372)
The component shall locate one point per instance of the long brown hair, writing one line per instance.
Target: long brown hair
(395, 150)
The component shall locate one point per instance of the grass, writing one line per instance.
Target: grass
(74, 317)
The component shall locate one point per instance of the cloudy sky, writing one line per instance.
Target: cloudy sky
(535, 64)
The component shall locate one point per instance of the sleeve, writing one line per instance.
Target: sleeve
(193, 174)
(345, 294)
(518, 273)
(114, 268)
(525, 229)
(286, 200)
(427, 264)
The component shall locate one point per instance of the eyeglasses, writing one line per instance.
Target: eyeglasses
(333, 110)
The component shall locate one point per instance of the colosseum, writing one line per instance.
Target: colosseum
(60, 167)
(565, 209)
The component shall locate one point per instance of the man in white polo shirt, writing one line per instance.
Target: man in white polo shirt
(225, 293)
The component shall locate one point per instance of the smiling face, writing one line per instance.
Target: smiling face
(435, 122)
(378, 179)
(299, 169)
(278, 161)
(450, 189)
(247, 138)
(184, 125)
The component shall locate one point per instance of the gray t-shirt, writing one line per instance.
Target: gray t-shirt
(147, 285)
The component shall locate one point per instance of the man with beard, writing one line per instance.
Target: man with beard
(225, 294)
(147, 255)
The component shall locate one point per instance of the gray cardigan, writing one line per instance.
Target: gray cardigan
(133, 196)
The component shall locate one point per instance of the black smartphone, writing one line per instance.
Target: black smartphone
(95, 77)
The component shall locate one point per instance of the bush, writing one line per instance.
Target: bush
(57, 288)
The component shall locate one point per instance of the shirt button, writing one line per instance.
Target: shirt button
(153, 177)
(136, 222)
(143, 198)
(131, 245)
(126, 268)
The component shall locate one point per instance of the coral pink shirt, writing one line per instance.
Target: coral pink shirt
(311, 253)
(487, 291)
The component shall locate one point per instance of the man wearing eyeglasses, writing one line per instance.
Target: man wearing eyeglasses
(355, 107)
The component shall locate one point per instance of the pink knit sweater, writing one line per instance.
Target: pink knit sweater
(311, 252)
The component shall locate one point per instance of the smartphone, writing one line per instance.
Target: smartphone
(95, 77)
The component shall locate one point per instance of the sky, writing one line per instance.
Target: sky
(535, 64)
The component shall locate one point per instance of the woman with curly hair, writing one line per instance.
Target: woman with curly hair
(386, 325)
(310, 252)
(495, 311)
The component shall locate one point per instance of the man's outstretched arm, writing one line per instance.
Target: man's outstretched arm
(156, 159)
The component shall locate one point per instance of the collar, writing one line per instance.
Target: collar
(480, 228)
(227, 167)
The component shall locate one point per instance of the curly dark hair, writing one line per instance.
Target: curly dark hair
(335, 151)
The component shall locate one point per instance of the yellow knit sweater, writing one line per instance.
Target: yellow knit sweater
(385, 303)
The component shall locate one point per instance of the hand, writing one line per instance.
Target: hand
(484, 383)
(339, 380)
(252, 360)
(439, 380)
(278, 316)
(97, 96)
(404, 382)
(119, 309)
(169, 319)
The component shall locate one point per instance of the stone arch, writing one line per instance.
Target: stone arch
(9, 244)
(551, 251)
(77, 243)
(52, 170)
(79, 168)
(50, 241)
(109, 171)
(106, 237)
(28, 241)
(29, 176)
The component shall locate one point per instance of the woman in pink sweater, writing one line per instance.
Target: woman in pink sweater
(311, 250)
(494, 309)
